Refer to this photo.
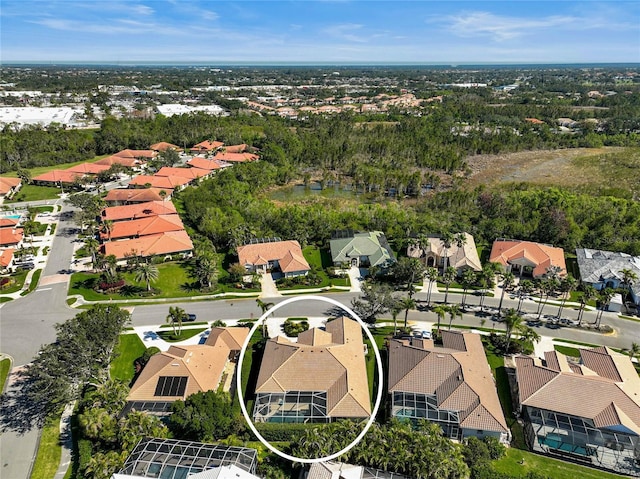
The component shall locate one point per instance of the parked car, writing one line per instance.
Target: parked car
(426, 334)
(191, 317)
(25, 266)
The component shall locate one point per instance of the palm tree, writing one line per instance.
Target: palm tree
(567, 285)
(147, 272)
(605, 295)
(431, 274)
(175, 317)
(92, 246)
(547, 287)
(526, 288)
(508, 279)
(468, 280)
(629, 277)
(446, 240)
(448, 277)
(512, 321)
(407, 304)
(206, 270)
(634, 351)
(264, 307)
(454, 311)
(440, 311)
(107, 226)
(395, 309)
(588, 293)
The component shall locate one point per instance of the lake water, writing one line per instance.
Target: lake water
(298, 192)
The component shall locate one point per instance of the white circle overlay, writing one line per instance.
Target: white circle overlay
(380, 380)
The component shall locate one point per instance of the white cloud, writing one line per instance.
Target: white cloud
(345, 31)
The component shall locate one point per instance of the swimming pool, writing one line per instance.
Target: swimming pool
(12, 216)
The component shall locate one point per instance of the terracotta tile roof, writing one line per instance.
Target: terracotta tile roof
(7, 184)
(139, 210)
(191, 173)
(150, 245)
(148, 154)
(464, 257)
(207, 145)
(163, 145)
(89, 168)
(143, 227)
(337, 368)
(8, 222)
(287, 253)
(10, 236)
(235, 157)
(609, 396)
(203, 163)
(535, 121)
(137, 195)
(6, 255)
(541, 256)
(202, 364)
(57, 176)
(235, 148)
(160, 181)
(113, 160)
(458, 374)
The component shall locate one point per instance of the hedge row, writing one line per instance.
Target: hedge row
(283, 432)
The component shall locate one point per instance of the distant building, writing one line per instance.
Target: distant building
(283, 257)
(320, 378)
(341, 470)
(434, 253)
(361, 249)
(451, 386)
(9, 186)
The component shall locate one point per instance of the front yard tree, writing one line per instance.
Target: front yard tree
(175, 317)
(376, 299)
(407, 304)
(468, 279)
(454, 312)
(407, 271)
(448, 277)
(206, 270)
(629, 277)
(431, 275)
(512, 322)
(146, 272)
(440, 311)
(508, 279)
(567, 285)
(588, 293)
(80, 357)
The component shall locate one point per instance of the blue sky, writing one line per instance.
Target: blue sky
(552, 31)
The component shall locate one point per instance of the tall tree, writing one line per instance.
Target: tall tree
(375, 300)
(448, 277)
(264, 307)
(407, 304)
(446, 240)
(440, 311)
(431, 275)
(454, 312)
(468, 279)
(567, 285)
(604, 297)
(526, 287)
(147, 272)
(175, 317)
(588, 293)
(512, 321)
(629, 277)
(508, 279)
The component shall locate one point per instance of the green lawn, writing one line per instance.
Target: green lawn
(34, 282)
(35, 193)
(168, 336)
(16, 285)
(129, 348)
(567, 350)
(496, 363)
(62, 166)
(547, 466)
(5, 364)
(49, 450)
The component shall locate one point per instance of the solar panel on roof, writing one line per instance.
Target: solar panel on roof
(171, 386)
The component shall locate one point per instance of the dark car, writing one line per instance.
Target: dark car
(23, 266)
(191, 317)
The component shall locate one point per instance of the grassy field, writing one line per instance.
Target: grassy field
(168, 336)
(512, 464)
(16, 285)
(5, 364)
(49, 450)
(130, 348)
(567, 350)
(35, 193)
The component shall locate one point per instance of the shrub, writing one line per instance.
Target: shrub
(283, 432)
(294, 328)
(104, 286)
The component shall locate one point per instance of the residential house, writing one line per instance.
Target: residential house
(129, 196)
(189, 173)
(341, 470)
(176, 459)
(205, 164)
(163, 182)
(361, 249)
(450, 385)
(279, 257)
(185, 370)
(133, 163)
(149, 225)
(138, 210)
(603, 269)
(168, 243)
(8, 222)
(57, 177)
(320, 378)
(11, 237)
(163, 146)
(206, 146)
(235, 157)
(433, 253)
(235, 148)
(585, 410)
(7, 260)
(88, 168)
(142, 155)
(9, 186)
(526, 258)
